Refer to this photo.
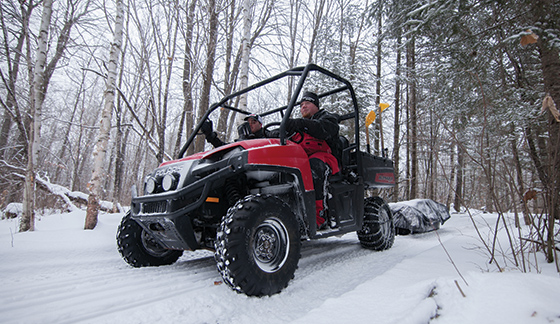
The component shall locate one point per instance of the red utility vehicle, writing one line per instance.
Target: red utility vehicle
(253, 201)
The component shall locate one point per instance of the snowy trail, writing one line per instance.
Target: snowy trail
(62, 274)
(108, 288)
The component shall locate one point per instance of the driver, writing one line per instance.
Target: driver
(250, 129)
(320, 131)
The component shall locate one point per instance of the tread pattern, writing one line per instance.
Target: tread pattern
(133, 251)
(378, 229)
(234, 246)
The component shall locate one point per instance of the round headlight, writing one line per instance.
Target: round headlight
(151, 185)
(169, 182)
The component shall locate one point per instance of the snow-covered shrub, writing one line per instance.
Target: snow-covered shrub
(13, 210)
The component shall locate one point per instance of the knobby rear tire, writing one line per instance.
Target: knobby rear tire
(378, 228)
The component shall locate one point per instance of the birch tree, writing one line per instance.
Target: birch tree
(292, 53)
(95, 184)
(28, 217)
(244, 76)
(121, 137)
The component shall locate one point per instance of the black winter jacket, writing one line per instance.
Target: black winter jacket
(322, 125)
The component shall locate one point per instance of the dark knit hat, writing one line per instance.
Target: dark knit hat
(311, 97)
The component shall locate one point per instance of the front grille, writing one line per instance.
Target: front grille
(154, 207)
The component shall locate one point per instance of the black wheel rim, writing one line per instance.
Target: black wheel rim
(152, 246)
(271, 245)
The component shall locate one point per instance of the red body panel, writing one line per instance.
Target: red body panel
(266, 151)
(289, 155)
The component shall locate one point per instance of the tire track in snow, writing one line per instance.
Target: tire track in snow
(108, 273)
(71, 296)
(150, 295)
(323, 261)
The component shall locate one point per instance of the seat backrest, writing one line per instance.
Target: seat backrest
(342, 145)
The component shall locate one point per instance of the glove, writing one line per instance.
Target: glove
(294, 125)
(206, 127)
(244, 130)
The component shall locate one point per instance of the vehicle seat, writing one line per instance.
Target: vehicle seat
(342, 158)
(342, 155)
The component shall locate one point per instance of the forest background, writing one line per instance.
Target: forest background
(95, 94)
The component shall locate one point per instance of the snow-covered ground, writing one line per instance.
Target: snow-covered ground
(63, 274)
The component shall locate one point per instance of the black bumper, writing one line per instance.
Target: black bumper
(167, 215)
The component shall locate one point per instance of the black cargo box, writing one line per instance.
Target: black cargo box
(378, 171)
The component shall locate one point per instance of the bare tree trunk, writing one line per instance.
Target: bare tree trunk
(263, 18)
(75, 181)
(168, 59)
(229, 75)
(397, 124)
(295, 6)
(28, 216)
(354, 45)
(187, 117)
(66, 136)
(519, 177)
(431, 169)
(490, 190)
(410, 58)
(407, 136)
(379, 122)
(120, 140)
(208, 67)
(13, 70)
(341, 29)
(244, 73)
(550, 59)
(5, 131)
(450, 191)
(317, 16)
(534, 154)
(94, 186)
(459, 182)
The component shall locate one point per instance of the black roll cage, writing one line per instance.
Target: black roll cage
(285, 111)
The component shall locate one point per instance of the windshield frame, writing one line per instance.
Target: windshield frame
(285, 111)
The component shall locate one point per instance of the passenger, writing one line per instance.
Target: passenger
(250, 129)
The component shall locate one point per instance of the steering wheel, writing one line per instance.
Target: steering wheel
(290, 137)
